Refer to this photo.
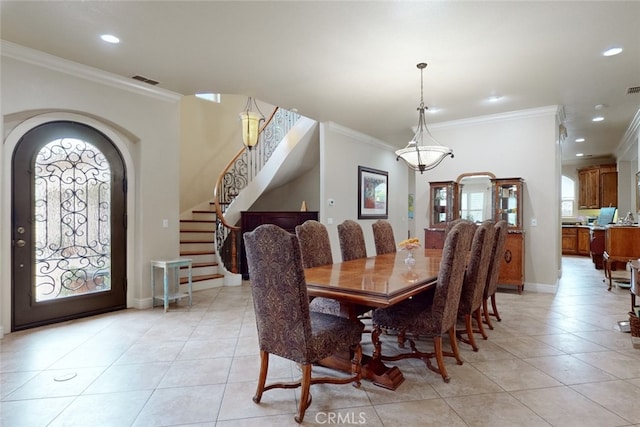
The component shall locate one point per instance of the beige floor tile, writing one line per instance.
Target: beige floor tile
(569, 370)
(431, 412)
(97, 410)
(569, 343)
(613, 362)
(56, 383)
(608, 394)
(121, 378)
(562, 406)
(238, 404)
(185, 373)
(181, 405)
(32, 412)
(516, 374)
(494, 409)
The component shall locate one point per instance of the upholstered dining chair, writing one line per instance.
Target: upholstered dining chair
(315, 247)
(499, 239)
(475, 280)
(450, 224)
(286, 326)
(438, 318)
(351, 237)
(383, 237)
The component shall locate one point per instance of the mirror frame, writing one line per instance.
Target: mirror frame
(459, 179)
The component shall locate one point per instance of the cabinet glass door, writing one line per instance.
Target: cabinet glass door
(508, 201)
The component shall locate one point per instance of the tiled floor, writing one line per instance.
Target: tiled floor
(553, 360)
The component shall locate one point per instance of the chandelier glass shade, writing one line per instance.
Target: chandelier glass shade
(417, 155)
(250, 121)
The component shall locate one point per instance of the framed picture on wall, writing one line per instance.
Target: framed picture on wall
(373, 189)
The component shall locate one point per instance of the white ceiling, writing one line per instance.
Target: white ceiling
(354, 63)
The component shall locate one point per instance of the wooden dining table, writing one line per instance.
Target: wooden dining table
(377, 281)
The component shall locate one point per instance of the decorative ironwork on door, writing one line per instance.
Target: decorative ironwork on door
(72, 220)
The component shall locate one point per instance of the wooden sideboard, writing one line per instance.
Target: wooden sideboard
(512, 268)
(250, 220)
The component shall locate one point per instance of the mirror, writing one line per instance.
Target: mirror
(475, 196)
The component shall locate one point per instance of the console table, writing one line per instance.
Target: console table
(167, 265)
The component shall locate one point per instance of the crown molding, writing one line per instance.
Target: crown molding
(630, 140)
(551, 110)
(359, 136)
(51, 62)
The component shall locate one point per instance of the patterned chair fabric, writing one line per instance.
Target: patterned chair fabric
(438, 318)
(286, 326)
(383, 237)
(315, 248)
(315, 245)
(352, 245)
(450, 224)
(490, 289)
(475, 280)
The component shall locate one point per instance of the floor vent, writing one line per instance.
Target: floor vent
(635, 89)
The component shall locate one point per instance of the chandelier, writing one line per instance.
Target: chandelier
(251, 123)
(416, 154)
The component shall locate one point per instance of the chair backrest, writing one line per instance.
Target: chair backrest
(315, 245)
(352, 245)
(450, 224)
(279, 291)
(475, 277)
(451, 275)
(383, 237)
(499, 239)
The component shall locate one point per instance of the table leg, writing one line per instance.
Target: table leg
(153, 286)
(190, 285)
(166, 289)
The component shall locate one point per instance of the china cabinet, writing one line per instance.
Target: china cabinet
(508, 198)
(443, 203)
(508, 201)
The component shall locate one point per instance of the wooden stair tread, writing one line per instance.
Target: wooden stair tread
(203, 211)
(200, 264)
(206, 221)
(196, 241)
(187, 253)
(196, 231)
(184, 280)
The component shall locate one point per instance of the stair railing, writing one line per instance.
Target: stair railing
(238, 173)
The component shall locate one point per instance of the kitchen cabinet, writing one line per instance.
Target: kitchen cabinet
(597, 186)
(569, 240)
(576, 240)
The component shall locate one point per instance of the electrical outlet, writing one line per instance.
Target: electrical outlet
(534, 222)
(165, 223)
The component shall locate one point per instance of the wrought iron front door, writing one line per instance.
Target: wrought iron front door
(68, 225)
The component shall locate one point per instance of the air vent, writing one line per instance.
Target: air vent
(635, 89)
(146, 80)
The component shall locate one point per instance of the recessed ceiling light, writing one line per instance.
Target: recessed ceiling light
(597, 119)
(494, 98)
(601, 106)
(579, 139)
(433, 110)
(109, 38)
(612, 51)
(580, 155)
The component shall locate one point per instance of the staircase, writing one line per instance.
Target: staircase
(197, 241)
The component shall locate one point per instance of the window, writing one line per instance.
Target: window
(472, 206)
(567, 206)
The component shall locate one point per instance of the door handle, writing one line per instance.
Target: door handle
(20, 243)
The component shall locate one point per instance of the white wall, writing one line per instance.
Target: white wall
(341, 152)
(519, 144)
(143, 122)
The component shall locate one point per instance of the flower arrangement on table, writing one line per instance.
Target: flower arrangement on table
(409, 245)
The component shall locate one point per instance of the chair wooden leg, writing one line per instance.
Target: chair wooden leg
(305, 396)
(437, 344)
(478, 317)
(495, 308)
(485, 312)
(264, 367)
(469, 338)
(402, 337)
(454, 345)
